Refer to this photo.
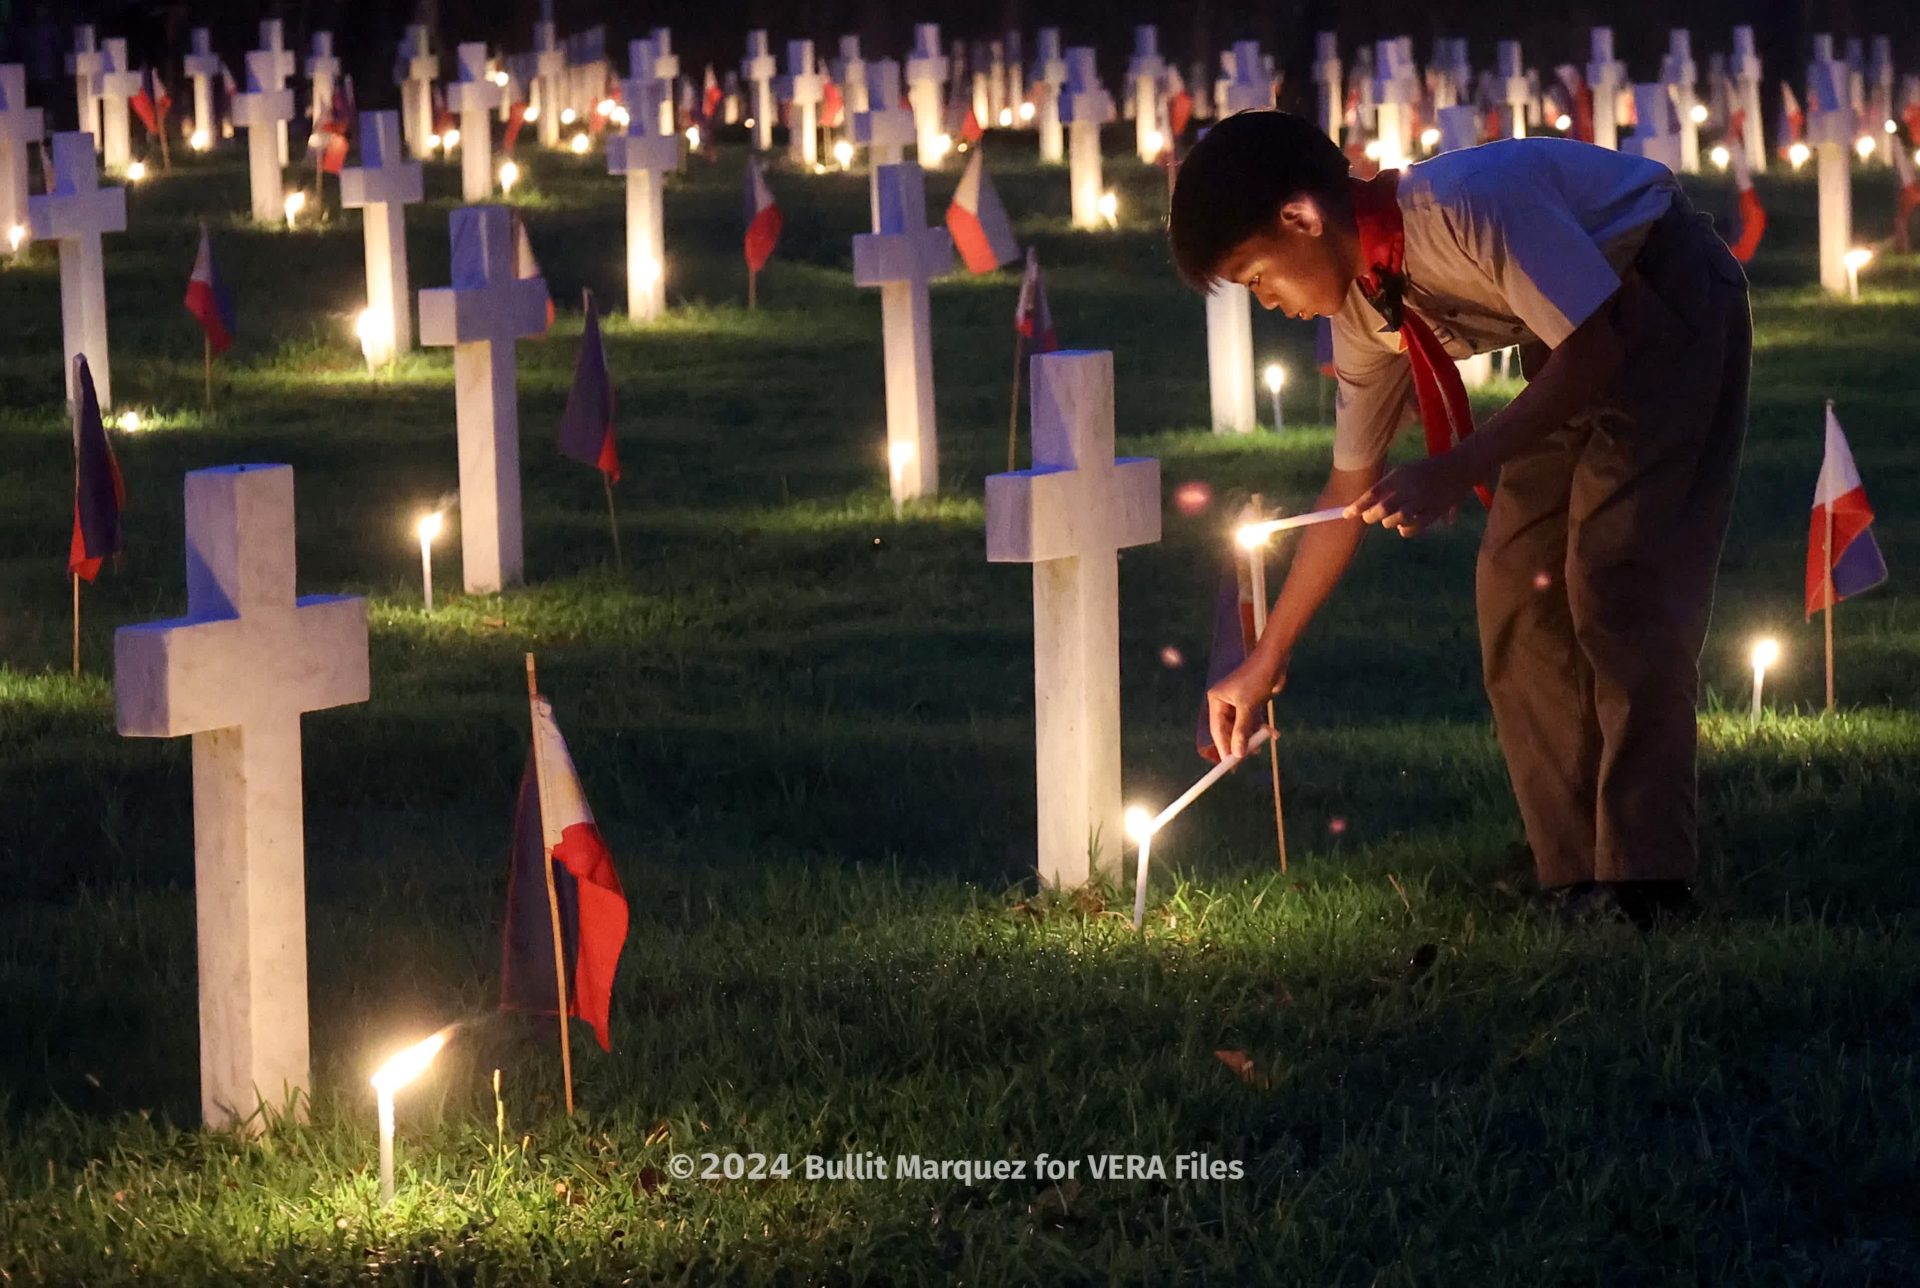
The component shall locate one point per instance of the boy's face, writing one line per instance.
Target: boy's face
(1302, 263)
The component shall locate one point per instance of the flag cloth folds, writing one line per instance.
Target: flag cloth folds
(554, 831)
(763, 219)
(586, 426)
(152, 103)
(1751, 216)
(1232, 641)
(1032, 317)
(525, 265)
(207, 298)
(98, 492)
(1856, 563)
(981, 231)
(1908, 199)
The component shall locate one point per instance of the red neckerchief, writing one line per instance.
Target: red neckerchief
(1445, 414)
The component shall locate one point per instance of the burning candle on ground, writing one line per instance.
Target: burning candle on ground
(1251, 535)
(1142, 826)
(1857, 258)
(396, 1073)
(1765, 653)
(427, 529)
(1276, 381)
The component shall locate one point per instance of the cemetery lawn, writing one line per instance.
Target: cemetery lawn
(805, 725)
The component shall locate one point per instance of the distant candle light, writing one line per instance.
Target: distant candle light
(1110, 208)
(1563, 122)
(579, 144)
(1798, 154)
(136, 171)
(509, 175)
(1720, 156)
(1698, 114)
(843, 153)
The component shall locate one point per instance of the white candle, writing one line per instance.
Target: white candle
(1276, 380)
(1765, 654)
(1857, 258)
(386, 1146)
(427, 529)
(393, 1075)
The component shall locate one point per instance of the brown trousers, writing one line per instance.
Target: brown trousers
(1595, 577)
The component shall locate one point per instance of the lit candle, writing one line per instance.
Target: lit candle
(509, 175)
(1026, 112)
(427, 529)
(1140, 830)
(1798, 155)
(136, 171)
(1429, 138)
(1563, 122)
(295, 203)
(375, 333)
(1765, 653)
(199, 141)
(579, 145)
(16, 238)
(1276, 380)
(1110, 208)
(1156, 142)
(843, 153)
(1720, 156)
(1857, 258)
(393, 1075)
(1698, 114)
(1142, 826)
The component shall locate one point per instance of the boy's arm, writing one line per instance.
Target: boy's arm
(1234, 704)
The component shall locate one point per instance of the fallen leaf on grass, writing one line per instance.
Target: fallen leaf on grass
(659, 1134)
(1243, 1068)
(647, 1183)
(494, 623)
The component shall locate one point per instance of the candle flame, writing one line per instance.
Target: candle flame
(1797, 155)
(1765, 653)
(1139, 823)
(509, 175)
(429, 527)
(1276, 376)
(1858, 258)
(409, 1064)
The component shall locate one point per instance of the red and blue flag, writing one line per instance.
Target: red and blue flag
(98, 491)
(586, 426)
(207, 298)
(1840, 540)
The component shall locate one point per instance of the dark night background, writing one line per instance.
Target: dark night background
(365, 31)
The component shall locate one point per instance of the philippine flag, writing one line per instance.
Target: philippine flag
(554, 832)
(978, 222)
(1840, 536)
(151, 102)
(1751, 217)
(98, 492)
(1032, 317)
(763, 219)
(1792, 120)
(525, 265)
(207, 298)
(711, 97)
(586, 426)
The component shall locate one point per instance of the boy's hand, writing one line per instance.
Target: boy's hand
(1235, 705)
(1416, 495)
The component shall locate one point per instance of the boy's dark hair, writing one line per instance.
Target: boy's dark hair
(1243, 170)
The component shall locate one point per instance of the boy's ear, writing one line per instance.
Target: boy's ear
(1301, 216)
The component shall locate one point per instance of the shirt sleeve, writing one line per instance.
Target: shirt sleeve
(1374, 393)
(1540, 259)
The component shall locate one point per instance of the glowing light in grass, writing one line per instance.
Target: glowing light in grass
(620, 117)
(568, 116)
(605, 107)
(1563, 122)
(501, 79)
(1026, 113)
(1720, 156)
(843, 154)
(1857, 258)
(130, 422)
(1006, 117)
(1892, 127)
(1110, 208)
(1798, 154)
(295, 202)
(533, 113)
(16, 238)
(1698, 114)
(426, 530)
(509, 175)
(375, 333)
(433, 143)
(941, 144)
(579, 144)
(136, 171)
(1373, 150)
(1766, 652)
(450, 140)
(392, 1076)
(199, 141)
(1429, 138)
(1142, 825)
(1276, 378)
(1865, 147)
(1156, 143)
(693, 137)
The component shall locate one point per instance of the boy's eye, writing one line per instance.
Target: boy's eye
(1253, 281)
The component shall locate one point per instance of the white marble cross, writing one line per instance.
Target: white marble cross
(1331, 103)
(1678, 70)
(118, 83)
(86, 62)
(646, 158)
(481, 315)
(1085, 106)
(276, 69)
(1655, 134)
(1459, 127)
(804, 87)
(323, 70)
(666, 70)
(20, 127)
(1144, 72)
(900, 256)
(1830, 123)
(885, 128)
(1249, 87)
(473, 96)
(415, 71)
(550, 66)
(1396, 100)
(758, 69)
(236, 673)
(851, 70)
(1230, 359)
(1070, 516)
(201, 66)
(75, 214)
(1049, 75)
(1514, 88)
(926, 90)
(261, 111)
(1744, 69)
(1605, 75)
(384, 184)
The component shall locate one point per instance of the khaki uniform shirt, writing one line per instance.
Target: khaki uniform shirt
(1508, 242)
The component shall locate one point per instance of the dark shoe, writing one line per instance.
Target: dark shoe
(1648, 904)
(1586, 904)
(1564, 903)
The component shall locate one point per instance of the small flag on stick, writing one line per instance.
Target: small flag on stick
(1842, 557)
(763, 228)
(981, 231)
(586, 426)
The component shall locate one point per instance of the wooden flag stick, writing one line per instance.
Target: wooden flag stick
(553, 896)
(753, 282)
(1829, 605)
(613, 519)
(75, 577)
(1257, 565)
(1013, 411)
(207, 353)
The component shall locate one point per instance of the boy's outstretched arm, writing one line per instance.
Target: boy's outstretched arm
(1234, 704)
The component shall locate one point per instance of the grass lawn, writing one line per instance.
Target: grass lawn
(805, 724)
